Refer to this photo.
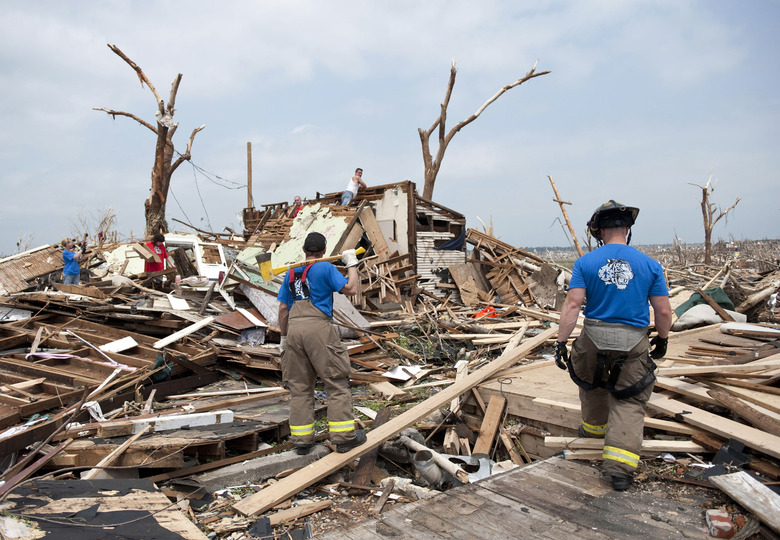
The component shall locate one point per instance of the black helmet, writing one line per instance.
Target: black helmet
(611, 214)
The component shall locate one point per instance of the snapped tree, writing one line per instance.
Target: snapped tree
(711, 214)
(164, 165)
(432, 165)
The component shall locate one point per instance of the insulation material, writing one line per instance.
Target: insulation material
(312, 218)
(392, 214)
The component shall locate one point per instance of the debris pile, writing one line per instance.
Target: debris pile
(165, 388)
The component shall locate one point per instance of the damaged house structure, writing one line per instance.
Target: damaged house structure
(415, 246)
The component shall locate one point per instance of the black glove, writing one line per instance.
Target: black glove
(561, 355)
(659, 347)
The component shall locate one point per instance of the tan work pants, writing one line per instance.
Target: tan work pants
(619, 421)
(315, 349)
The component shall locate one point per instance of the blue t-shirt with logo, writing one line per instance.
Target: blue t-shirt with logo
(618, 281)
(322, 279)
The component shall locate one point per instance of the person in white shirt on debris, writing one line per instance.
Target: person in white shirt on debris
(355, 183)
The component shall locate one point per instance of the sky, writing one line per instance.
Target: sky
(644, 101)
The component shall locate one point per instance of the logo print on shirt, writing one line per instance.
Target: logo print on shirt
(617, 272)
(301, 291)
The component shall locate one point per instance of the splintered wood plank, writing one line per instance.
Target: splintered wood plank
(183, 333)
(487, 431)
(461, 371)
(169, 422)
(110, 458)
(744, 410)
(146, 253)
(649, 447)
(387, 390)
(753, 495)
(752, 367)
(713, 423)
(301, 479)
(303, 510)
(714, 305)
(365, 468)
(375, 234)
(756, 395)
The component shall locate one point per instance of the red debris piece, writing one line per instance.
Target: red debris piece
(720, 524)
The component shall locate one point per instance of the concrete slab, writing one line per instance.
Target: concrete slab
(257, 470)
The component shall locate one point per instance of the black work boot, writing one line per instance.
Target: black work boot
(360, 438)
(302, 449)
(620, 481)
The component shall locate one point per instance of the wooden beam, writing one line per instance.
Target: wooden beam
(757, 366)
(371, 226)
(649, 447)
(714, 305)
(303, 478)
(167, 422)
(30, 469)
(461, 372)
(207, 298)
(510, 446)
(365, 468)
(37, 340)
(146, 253)
(713, 423)
(183, 333)
(383, 498)
(489, 427)
(292, 514)
(740, 408)
(118, 451)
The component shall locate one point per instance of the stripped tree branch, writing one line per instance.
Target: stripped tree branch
(164, 166)
(708, 214)
(432, 166)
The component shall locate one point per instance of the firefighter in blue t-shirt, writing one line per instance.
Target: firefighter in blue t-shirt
(611, 361)
(311, 347)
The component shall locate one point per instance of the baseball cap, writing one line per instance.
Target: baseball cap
(315, 242)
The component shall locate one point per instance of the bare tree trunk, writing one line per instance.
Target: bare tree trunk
(709, 217)
(432, 165)
(164, 166)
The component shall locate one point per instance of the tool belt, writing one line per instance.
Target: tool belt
(616, 338)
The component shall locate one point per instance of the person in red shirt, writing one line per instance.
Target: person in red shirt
(296, 207)
(157, 244)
